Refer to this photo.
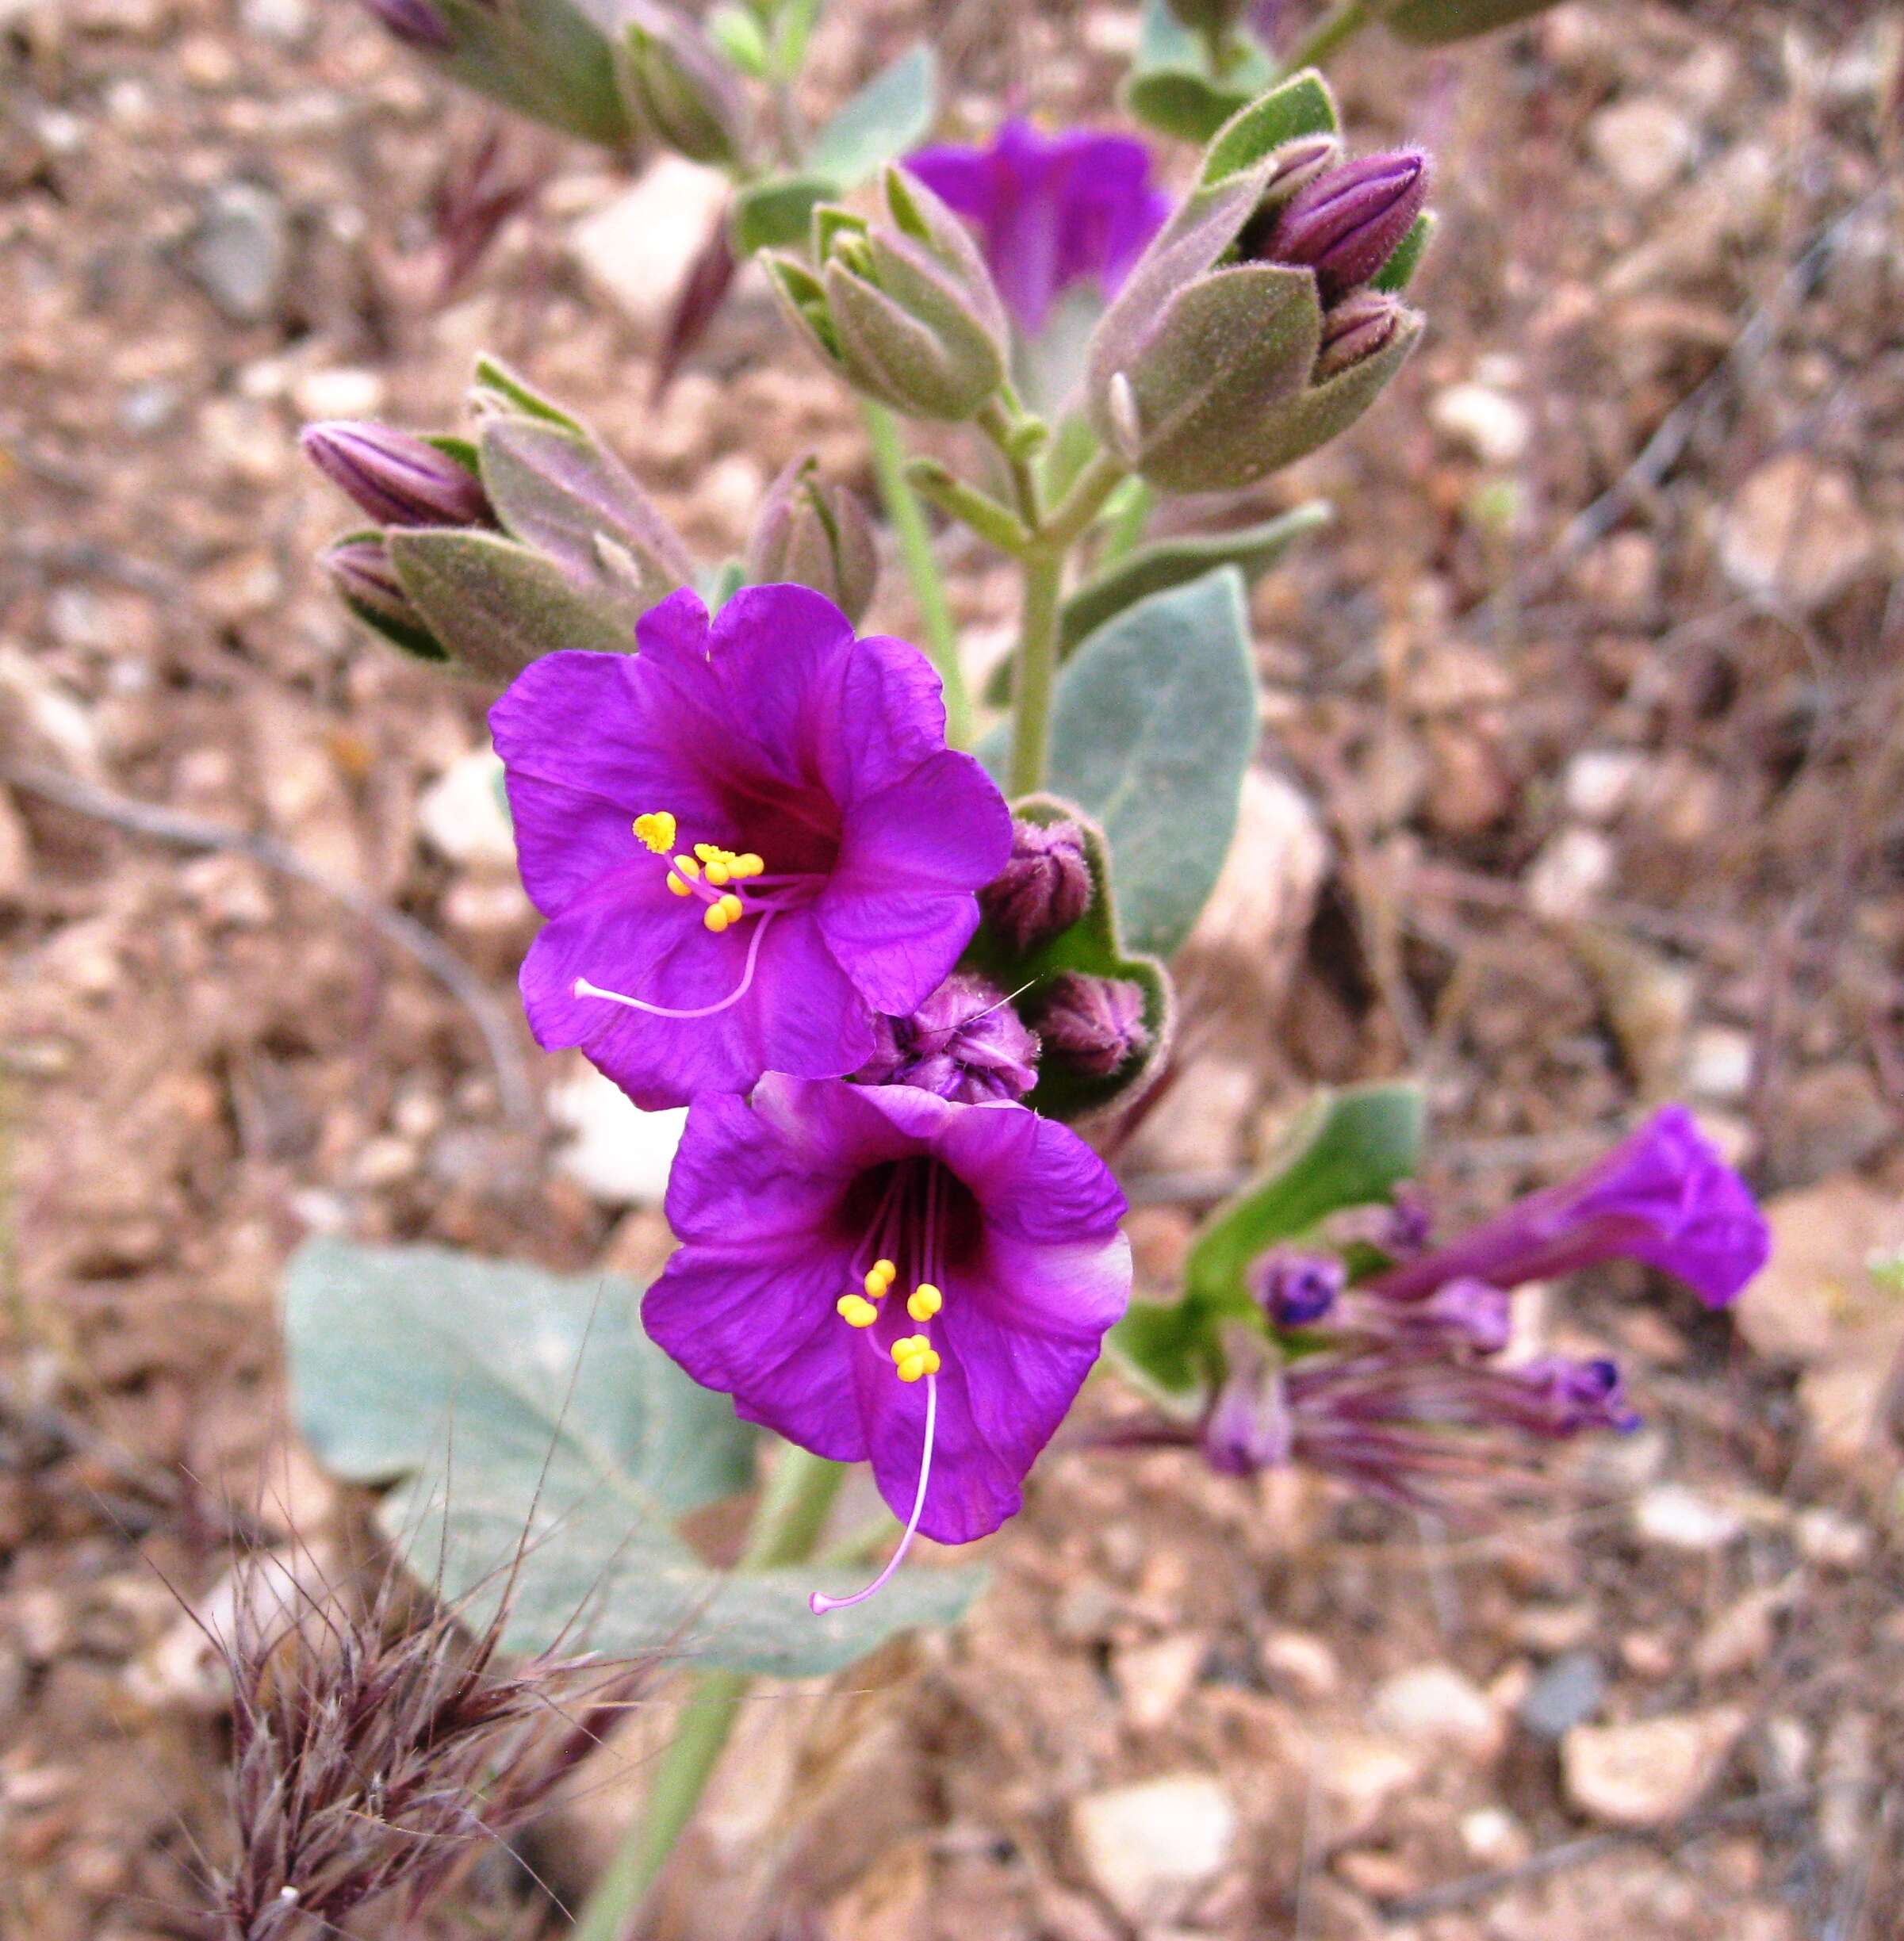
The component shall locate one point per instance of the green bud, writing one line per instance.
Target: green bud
(903, 307)
(817, 535)
(679, 89)
(1433, 23)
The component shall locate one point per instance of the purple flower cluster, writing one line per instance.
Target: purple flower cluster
(1399, 1385)
(759, 863)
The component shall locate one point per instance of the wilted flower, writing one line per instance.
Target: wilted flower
(880, 1276)
(1094, 1023)
(965, 1043)
(1050, 211)
(680, 89)
(817, 535)
(750, 838)
(1045, 887)
(902, 308)
(397, 478)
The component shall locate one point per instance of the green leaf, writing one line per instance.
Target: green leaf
(1398, 272)
(889, 117)
(522, 1414)
(496, 606)
(1091, 945)
(792, 30)
(502, 386)
(550, 59)
(1154, 722)
(737, 34)
(1434, 23)
(776, 214)
(1180, 103)
(1349, 1149)
(1301, 105)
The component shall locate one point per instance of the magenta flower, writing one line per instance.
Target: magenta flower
(1050, 211)
(750, 839)
(880, 1275)
(1662, 1196)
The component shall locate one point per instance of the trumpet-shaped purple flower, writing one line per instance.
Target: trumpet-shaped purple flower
(1663, 1196)
(750, 838)
(1050, 211)
(880, 1275)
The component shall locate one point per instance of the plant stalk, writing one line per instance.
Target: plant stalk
(1335, 29)
(907, 518)
(1037, 666)
(787, 1525)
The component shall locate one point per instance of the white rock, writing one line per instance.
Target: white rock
(342, 391)
(619, 1154)
(1832, 1541)
(1492, 426)
(1649, 1773)
(1435, 1705)
(1644, 144)
(1570, 872)
(1678, 1519)
(1153, 1680)
(1493, 1836)
(1599, 783)
(1797, 532)
(637, 246)
(1147, 1848)
(461, 813)
(1358, 1774)
(241, 252)
(1718, 1062)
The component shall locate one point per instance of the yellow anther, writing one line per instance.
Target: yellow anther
(686, 866)
(886, 1270)
(932, 1363)
(855, 1310)
(925, 1301)
(908, 1345)
(715, 917)
(747, 863)
(736, 910)
(655, 831)
(878, 1287)
(707, 851)
(912, 1368)
(677, 885)
(718, 873)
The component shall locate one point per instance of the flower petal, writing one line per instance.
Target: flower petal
(1036, 1179)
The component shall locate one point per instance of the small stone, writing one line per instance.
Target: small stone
(1147, 1848)
(1675, 1517)
(1644, 145)
(1301, 1664)
(16, 851)
(637, 247)
(1832, 1541)
(1816, 1289)
(1436, 1705)
(461, 817)
(1153, 1680)
(1570, 872)
(1360, 1774)
(1493, 1837)
(1797, 531)
(1493, 426)
(1553, 1629)
(617, 1154)
(1718, 1063)
(241, 250)
(1651, 1772)
(1599, 783)
(288, 22)
(1741, 1637)
(346, 391)
(1265, 899)
(1568, 1691)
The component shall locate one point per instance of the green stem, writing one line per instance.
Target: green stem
(1125, 521)
(1336, 29)
(907, 518)
(785, 1526)
(993, 523)
(1037, 665)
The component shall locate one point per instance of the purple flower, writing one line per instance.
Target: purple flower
(881, 1276)
(1295, 1288)
(1050, 211)
(1662, 1196)
(803, 854)
(965, 1043)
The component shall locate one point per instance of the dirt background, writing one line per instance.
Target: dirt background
(1581, 788)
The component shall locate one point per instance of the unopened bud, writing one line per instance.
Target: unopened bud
(1248, 1428)
(1297, 1289)
(1558, 1397)
(399, 480)
(817, 535)
(1096, 1024)
(965, 1043)
(415, 22)
(680, 89)
(1363, 325)
(359, 568)
(1045, 887)
(1346, 223)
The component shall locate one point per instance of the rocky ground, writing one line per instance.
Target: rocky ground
(1580, 788)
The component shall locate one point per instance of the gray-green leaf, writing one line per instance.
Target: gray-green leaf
(892, 114)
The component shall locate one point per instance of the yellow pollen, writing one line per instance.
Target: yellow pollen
(655, 831)
(878, 1287)
(718, 873)
(925, 1301)
(748, 864)
(856, 1312)
(736, 910)
(707, 851)
(715, 917)
(886, 1270)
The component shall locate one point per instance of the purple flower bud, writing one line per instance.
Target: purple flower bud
(1346, 224)
(1363, 323)
(1558, 1398)
(1297, 1288)
(1095, 1022)
(1465, 1313)
(680, 88)
(360, 569)
(1248, 1428)
(414, 22)
(815, 535)
(398, 479)
(1045, 887)
(965, 1042)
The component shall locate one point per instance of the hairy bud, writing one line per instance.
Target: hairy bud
(965, 1042)
(1248, 1427)
(817, 535)
(902, 307)
(1094, 1023)
(680, 89)
(1346, 223)
(359, 568)
(399, 480)
(1361, 326)
(1045, 887)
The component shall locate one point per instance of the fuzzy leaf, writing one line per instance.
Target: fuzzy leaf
(1153, 723)
(777, 214)
(1181, 103)
(517, 1411)
(498, 388)
(889, 117)
(1301, 105)
(496, 606)
(1434, 23)
(549, 60)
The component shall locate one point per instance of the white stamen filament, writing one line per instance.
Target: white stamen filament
(584, 989)
(819, 1603)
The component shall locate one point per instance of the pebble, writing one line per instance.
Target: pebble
(1359, 1773)
(617, 1154)
(1832, 1541)
(1153, 1680)
(461, 817)
(637, 246)
(1566, 1693)
(1493, 1837)
(1300, 1663)
(1651, 1771)
(1265, 897)
(1599, 783)
(1570, 872)
(1436, 1705)
(343, 391)
(1741, 1637)
(241, 250)
(1644, 145)
(1673, 1516)
(1797, 532)
(1494, 428)
(1718, 1063)
(1147, 1848)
